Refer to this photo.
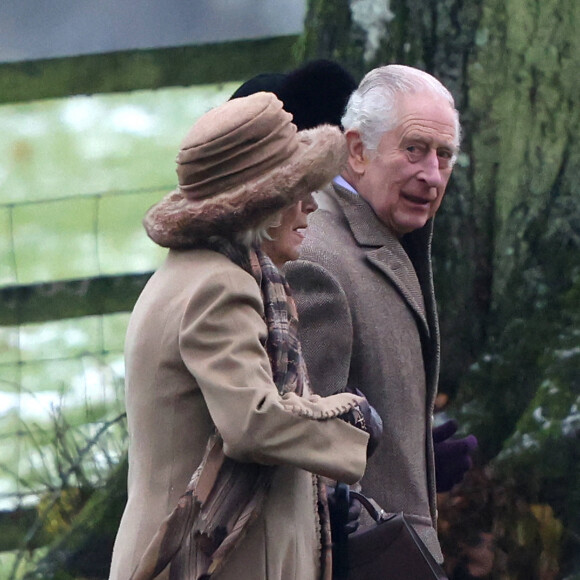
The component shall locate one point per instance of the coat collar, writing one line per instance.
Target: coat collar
(386, 252)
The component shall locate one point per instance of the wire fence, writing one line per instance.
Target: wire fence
(61, 381)
(77, 237)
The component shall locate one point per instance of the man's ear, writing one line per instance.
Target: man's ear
(357, 158)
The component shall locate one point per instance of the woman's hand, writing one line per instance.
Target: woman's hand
(365, 417)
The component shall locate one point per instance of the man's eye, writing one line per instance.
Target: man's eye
(414, 152)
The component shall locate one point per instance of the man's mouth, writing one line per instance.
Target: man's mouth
(417, 200)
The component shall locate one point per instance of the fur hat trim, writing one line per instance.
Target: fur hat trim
(178, 222)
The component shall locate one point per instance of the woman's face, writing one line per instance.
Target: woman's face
(289, 235)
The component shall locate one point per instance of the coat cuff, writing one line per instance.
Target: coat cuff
(320, 408)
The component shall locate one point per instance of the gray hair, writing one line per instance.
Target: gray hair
(372, 107)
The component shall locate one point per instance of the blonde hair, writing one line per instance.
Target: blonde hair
(253, 237)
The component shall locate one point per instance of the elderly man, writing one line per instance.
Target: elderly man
(364, 284)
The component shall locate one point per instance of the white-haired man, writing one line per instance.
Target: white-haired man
(364, 284)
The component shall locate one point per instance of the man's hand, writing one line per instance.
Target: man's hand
(452, 456)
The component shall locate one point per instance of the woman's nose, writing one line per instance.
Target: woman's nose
(308, 204)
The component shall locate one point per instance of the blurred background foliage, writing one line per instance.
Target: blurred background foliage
(506, 255)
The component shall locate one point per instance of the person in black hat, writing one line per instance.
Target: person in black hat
(315, 93)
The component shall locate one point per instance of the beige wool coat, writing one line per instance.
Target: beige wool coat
(368, 320)
(195, 359)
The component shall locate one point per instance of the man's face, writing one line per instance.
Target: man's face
(404, 180)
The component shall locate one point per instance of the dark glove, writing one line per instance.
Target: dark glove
(452, 456)
(365, 417)
(342, 522)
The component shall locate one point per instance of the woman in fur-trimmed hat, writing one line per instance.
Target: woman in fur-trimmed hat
(215, 382)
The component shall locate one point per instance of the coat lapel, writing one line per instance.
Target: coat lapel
(384, 251)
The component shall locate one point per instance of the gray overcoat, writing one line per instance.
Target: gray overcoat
(368, 320)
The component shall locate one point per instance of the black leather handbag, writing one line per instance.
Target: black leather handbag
(389, 550)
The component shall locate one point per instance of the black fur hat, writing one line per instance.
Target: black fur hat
(315, 93)
(268, 82)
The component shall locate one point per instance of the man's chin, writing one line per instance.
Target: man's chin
(407, 226)
(414, 220)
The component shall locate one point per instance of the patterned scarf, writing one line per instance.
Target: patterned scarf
(224, 496)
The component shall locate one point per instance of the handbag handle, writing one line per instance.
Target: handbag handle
(405, 549)
(344, 496)
(379, 515)
(339, 535)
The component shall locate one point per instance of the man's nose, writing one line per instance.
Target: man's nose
(431, 170)
(308, 204)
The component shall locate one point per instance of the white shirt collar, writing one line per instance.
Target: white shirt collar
(340, 180)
